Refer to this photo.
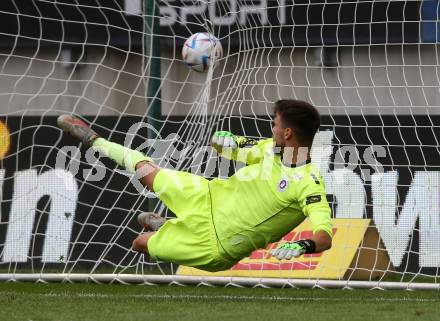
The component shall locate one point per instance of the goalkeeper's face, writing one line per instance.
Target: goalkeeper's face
(279, 132)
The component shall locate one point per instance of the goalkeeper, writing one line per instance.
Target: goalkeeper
(221, 221)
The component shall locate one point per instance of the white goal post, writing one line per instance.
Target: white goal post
(370, 67)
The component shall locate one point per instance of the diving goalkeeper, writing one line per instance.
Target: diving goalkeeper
(221, 221)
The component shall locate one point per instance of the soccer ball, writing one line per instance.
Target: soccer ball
(200, 50)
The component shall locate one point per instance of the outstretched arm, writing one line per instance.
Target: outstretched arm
(313, 201)
(323, 241)
(243, 149)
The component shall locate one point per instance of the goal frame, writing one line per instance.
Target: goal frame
(214, 281)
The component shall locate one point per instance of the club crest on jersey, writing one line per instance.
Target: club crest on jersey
(283, 185)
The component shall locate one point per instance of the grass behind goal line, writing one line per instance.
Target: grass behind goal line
(63, 302)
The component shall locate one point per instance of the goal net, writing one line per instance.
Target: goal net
(370, 67)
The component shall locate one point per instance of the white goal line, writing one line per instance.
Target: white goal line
(215, 281)
(220, 297)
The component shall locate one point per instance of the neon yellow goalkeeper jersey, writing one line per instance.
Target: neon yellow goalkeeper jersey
(265, 200)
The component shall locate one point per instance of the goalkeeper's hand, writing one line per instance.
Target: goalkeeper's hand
(224, 139)
(293, 249)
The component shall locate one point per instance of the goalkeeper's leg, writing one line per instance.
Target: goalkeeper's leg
(140, 243)
(132, 160)
(187, 195)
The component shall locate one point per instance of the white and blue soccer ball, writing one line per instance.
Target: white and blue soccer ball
(201, 50)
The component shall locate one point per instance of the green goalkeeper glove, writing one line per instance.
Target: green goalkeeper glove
(224, 139)
(294, 249)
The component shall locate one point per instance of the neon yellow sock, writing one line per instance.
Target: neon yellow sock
(123, 156)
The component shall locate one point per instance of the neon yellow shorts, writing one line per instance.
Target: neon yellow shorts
(190, 238)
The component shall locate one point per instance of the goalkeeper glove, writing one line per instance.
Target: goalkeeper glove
(294, 249)
(224, 139)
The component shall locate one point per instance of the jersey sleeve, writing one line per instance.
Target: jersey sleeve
(313, 202)
(249, 151)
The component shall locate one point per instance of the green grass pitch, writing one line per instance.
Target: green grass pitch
(63, 302)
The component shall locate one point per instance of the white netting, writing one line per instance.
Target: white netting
(371, 68)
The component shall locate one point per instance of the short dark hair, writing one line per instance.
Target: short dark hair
(301, 116)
